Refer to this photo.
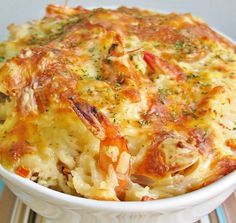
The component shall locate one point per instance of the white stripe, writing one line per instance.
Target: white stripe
(16, 213)
(26, 215)
(205, 219)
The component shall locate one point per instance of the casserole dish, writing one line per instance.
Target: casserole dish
(57, 207)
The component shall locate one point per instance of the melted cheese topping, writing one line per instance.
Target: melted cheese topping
(122, 104)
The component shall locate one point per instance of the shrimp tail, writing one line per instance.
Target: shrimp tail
(113, 147)
(90, 116)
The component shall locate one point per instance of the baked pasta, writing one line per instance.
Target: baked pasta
(121, 105)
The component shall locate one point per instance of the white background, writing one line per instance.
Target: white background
(220, 14)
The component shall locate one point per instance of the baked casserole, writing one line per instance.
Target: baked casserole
(124, 104)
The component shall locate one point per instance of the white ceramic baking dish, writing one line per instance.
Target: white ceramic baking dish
(62, 208)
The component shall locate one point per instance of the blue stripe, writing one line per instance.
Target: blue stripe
(221, 215)
(1, 186)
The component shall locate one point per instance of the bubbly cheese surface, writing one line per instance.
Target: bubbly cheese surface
(123, 104)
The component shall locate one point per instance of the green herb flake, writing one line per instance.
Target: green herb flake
(73, 44)
(117, 85)
(179, 45)
(33, 40)
(142, 123)
(140, 17)
(107, 60)
(192, 76)
(202, 84)
(99, 77)
(2, 59)
(91, 50)
(89, 91)
(156, 44)
(185, 112)
(165, 91)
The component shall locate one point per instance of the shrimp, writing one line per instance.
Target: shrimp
(159, 65)
(113, 147)
(117, 68)
(61, 12)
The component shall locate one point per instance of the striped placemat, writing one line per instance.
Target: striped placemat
(14, 211)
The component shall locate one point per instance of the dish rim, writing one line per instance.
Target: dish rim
(176, 202)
